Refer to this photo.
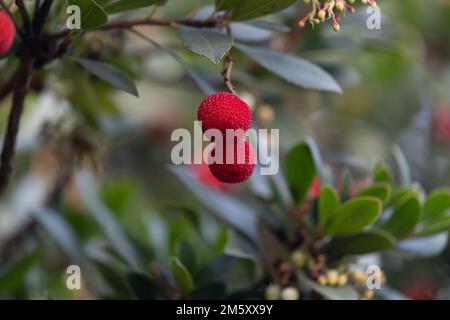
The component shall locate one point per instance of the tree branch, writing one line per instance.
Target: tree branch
(24, 14)
(210, 23)
(227, 69)
(20, 90)
(41, 17)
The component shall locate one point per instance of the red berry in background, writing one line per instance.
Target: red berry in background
(7, 33)
(440, 124)
(235, 172)
(224, 111)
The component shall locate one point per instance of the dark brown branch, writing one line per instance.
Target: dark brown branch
(161, 22)
(41, 17)
(24, 15)
(128, 24)
(21, 86)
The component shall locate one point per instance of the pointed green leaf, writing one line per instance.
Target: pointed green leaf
(300, 171)
(115, 77)
(250, 9)
(353, 216)
(405, 216)
(436, 204)
(206, 42)
(381, 173)
(379, 190)
(293, 69)
(227, 4)
(92, 14)
(126, 5)
(433, 226)
(328, 202)
(201, 83)
(374, 240)
(181, 275)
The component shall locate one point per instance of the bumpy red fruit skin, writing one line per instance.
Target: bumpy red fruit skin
(7, 33)
(235, 172)
(224, 111)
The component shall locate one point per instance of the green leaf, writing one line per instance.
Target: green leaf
(113, 230)
(115, 77)
(181, 275)
(433, 226)
(250, 9)
(436, 204)
(227, 4)
(298, 71)
(405, 216)
(187, 255)
(12, 275)
(379, 190)
(397, 196)
(328, 202)
(381, 173)
(374, 240)
(332, 293)
(300, 171)
(201, 83)
(61, 232)
(114, 278)
(353, 216)
(92, 14)
(209, 43)
(126, 5)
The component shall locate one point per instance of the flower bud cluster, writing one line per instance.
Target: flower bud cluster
(322, 10)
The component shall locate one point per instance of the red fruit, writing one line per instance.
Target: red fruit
(234, 172)
(224, 111)
(7, 33)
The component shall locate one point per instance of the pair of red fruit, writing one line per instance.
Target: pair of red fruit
(224, 111)
(220, 111)
(7, 33)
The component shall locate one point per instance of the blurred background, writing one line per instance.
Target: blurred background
(127, 210)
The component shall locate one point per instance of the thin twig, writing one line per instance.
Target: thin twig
(228, 66)
(20, 90)
(227, 69)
